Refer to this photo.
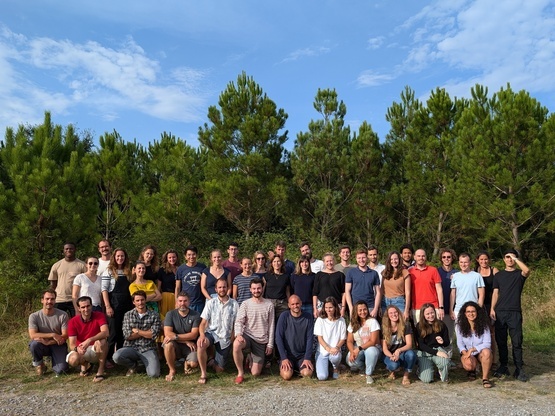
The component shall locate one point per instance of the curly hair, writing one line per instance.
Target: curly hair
(389, 272)
(480, 323)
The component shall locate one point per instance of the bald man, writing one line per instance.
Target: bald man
(294, 338)
(425, 286)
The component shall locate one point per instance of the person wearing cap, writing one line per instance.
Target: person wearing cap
(506, 310)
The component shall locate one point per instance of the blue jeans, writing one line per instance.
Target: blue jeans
(198, 307)
(367, 358)
(307, 308)
(399, 301)
(406, 360)
(129, 357)
(322, 370)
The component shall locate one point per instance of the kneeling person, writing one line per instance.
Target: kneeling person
(181, 330)
(294, 340)
(216, 330)
(88, 332)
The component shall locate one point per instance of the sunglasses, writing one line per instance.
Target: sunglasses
(446, 257)
(92, 263)
(260, 258)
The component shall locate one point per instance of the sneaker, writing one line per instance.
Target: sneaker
(335, 374)
(520, 375)
(501, 372)
(369, 380)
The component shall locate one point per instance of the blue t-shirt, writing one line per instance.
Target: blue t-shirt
(363, 283)
(446, 286)
(190, 281)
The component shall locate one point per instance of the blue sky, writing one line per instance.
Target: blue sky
(144, 67)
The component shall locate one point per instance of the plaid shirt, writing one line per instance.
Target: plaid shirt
(149, 322)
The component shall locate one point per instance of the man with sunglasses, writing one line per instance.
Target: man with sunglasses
(506, 310)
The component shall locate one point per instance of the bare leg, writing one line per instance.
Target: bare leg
(238, 357)
(169, 354)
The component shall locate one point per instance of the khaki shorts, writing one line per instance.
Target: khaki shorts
(90, 355)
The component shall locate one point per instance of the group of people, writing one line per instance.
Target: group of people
(306, 314)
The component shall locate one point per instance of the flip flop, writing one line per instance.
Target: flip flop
(86, 372)
(99, 378)
(202, 380)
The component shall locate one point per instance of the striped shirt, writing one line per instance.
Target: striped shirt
(257, 321)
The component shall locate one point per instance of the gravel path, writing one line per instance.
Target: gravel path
(272, 397)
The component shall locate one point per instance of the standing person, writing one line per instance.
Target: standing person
(115, 294)
(397, 343)
(278, 286)
(149, 256)
(294, 341)
(48, 334)
(315, 264)
(396, 286)
(141, 327)
(61, 278)
(254, 329)
(506, 310)
(330, 329)
(88, 284)
(302, 284)
(474, 341)
(363, 283)
(487, 272)
(328, 282)
(407, 252)
(211, 274)
(373, 261)
(140, 282)
(289, 265)
(466, 285)
(425, 286)
(181, 330)
(232, 262)
(363, 341)
(241, 282)
(188, 278)
(216, 330)
(433, 341)
(166, 281)
(105, 250)
(88, 333)
(259, 261)
(446, 272)
(345, 260)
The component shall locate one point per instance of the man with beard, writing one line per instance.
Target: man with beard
(187, 279)
(315, 264)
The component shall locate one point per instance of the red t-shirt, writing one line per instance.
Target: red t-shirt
(84, 330)
(423, 286)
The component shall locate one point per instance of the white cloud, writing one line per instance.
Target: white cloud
(375, 43)
(104, 80)
(306, 52)
(371, 79)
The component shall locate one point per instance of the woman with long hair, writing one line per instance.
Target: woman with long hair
(278, 286)
(474, 341)
(149, 256)
(330, 329)
(140, 282)
(396, 285)
(166, 281)
(259, 264)
(328, 282)
(433, 339)
(88, 284)
(117, 300)
(302, 283)
(487, 272)
(363, 341)
(211, 274)
(397, 343)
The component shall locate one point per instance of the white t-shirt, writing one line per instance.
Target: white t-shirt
(102, 265)
(316, 266)
(331, 331)
(365, 331)
(89, 288)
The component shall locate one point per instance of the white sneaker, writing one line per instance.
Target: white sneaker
(369, 380)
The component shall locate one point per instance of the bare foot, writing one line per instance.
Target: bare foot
(391, 375)
(406, 380)
(202, 380)
(170, 377)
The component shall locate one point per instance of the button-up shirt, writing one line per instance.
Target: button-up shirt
(150, 321)
(221, 319)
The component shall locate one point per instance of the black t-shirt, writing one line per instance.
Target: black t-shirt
(510, 285)
(399, 342)
(276, 286)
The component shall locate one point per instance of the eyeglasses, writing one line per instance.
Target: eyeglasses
(446, 257)
(260, 258)
(92, 263)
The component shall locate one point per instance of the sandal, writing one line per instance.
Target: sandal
(486, 383)
(99, 378)
(239, 379)
(87, 371)
(202, 380)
